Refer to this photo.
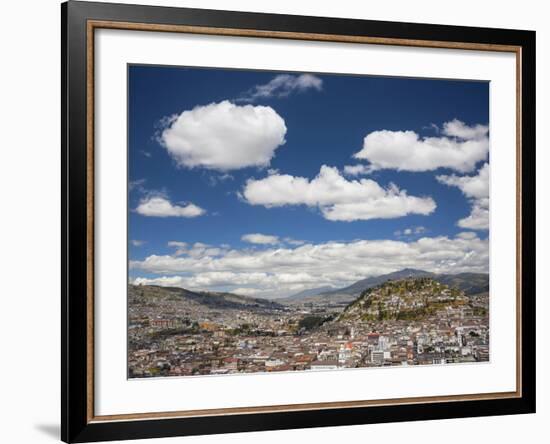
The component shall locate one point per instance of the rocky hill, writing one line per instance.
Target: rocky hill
(405, 299)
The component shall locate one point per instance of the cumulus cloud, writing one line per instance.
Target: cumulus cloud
(261, 239)
(224, 136)
(457, 128)
(460, 148)
(279, 271)
(337, 198)
(282, 85)
(479, 216)
(160, 206)
(137, 243)
(476, 189)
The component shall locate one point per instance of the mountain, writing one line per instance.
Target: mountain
(151, 294)
(411, 299)
(306, 293)
(470, 283)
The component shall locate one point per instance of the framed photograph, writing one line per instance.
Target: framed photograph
(276, 221)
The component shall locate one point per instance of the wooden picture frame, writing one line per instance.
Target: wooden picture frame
(79, 22)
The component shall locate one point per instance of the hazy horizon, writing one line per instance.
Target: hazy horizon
(298, 292)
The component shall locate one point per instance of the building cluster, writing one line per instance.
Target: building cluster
(170, 340)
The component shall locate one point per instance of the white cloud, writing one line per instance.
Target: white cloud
(215, 179)
(177, 244)
(160, 206)
(137, 243)
(162, 281)
(244, 291)
(198, 249)
(337, 198)
(278, 271)
(181, 247)
(292, 241)
(479, 216)
(282, 85)
(476, 189)
(410, 231)
(460, 148)
(224, 136)
(357, 170)
(467, 235)
(136, 185)
(457, 128)
(266, 239)
(261, 239)
(432, 126)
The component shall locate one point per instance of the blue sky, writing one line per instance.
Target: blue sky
(238, 179)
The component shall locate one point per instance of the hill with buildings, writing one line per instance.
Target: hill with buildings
(405, 299)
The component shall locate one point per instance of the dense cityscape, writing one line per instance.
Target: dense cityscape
(409, 321)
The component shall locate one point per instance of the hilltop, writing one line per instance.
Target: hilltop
(405, 299)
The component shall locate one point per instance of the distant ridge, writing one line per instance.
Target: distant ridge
(214, 300)
(469, 283)
(309, 292)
